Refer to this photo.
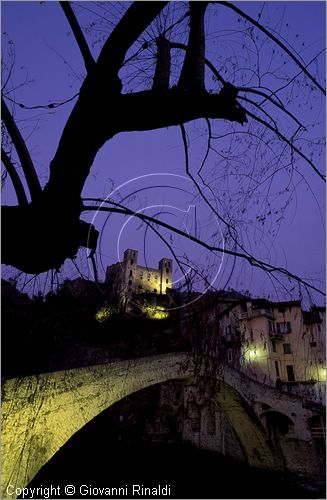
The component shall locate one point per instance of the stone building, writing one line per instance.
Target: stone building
(128, 278)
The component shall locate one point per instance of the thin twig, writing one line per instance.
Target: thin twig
(273, 101)
(281, 136)
(250, 259)
(275, 39)
(15, 179)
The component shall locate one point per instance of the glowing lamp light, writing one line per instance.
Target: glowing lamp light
(104, 313)
(253, 355)
(155, 312)
(322, 374)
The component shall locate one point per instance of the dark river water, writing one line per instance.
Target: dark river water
(118, 449)
(90, 463)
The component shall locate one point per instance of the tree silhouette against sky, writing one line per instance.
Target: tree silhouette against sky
(216, 72)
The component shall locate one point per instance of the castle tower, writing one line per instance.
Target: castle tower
(165, 267)
(129, 270)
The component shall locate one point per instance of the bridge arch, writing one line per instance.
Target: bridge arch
(42, 412)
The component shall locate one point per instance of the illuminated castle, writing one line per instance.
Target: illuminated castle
(127, 278)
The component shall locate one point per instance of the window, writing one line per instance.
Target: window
(131, 273)
(130, 282)
(229, 355)
(287, 348)
(156, 277)
(167, 281)
(277, 368)
(140, 287)
(290, 373)
(167, 270)
(132, 261)
(271, 326)
(149, 276)
(141, 274)
(228, 330)
(155, 290)
(273, 343)
(284, 327)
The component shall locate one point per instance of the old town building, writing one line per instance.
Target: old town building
(128, 278)
(274, 343)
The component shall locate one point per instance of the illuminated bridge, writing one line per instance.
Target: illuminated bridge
(42, 412)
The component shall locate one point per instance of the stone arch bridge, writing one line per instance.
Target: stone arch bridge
(40, 413)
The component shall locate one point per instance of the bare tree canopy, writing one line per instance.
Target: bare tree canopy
(159, 65)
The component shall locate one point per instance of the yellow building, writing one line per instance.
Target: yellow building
(127, 278)
(277, 343)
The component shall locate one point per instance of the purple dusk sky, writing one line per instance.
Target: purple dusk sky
(288, 229)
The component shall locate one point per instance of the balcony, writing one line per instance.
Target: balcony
(276, 335)
(256, 313)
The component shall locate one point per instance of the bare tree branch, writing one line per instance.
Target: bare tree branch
(265, 266)
(78, 33)
(290, 144)
(162, 71)
(51, 105)
(17, 183)
(273, 101)
(192, 74)
(177, 45)
(275, 39)
(22, 151)
(136, 19)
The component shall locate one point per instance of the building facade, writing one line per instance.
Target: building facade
(275, 343)
(127, 278)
